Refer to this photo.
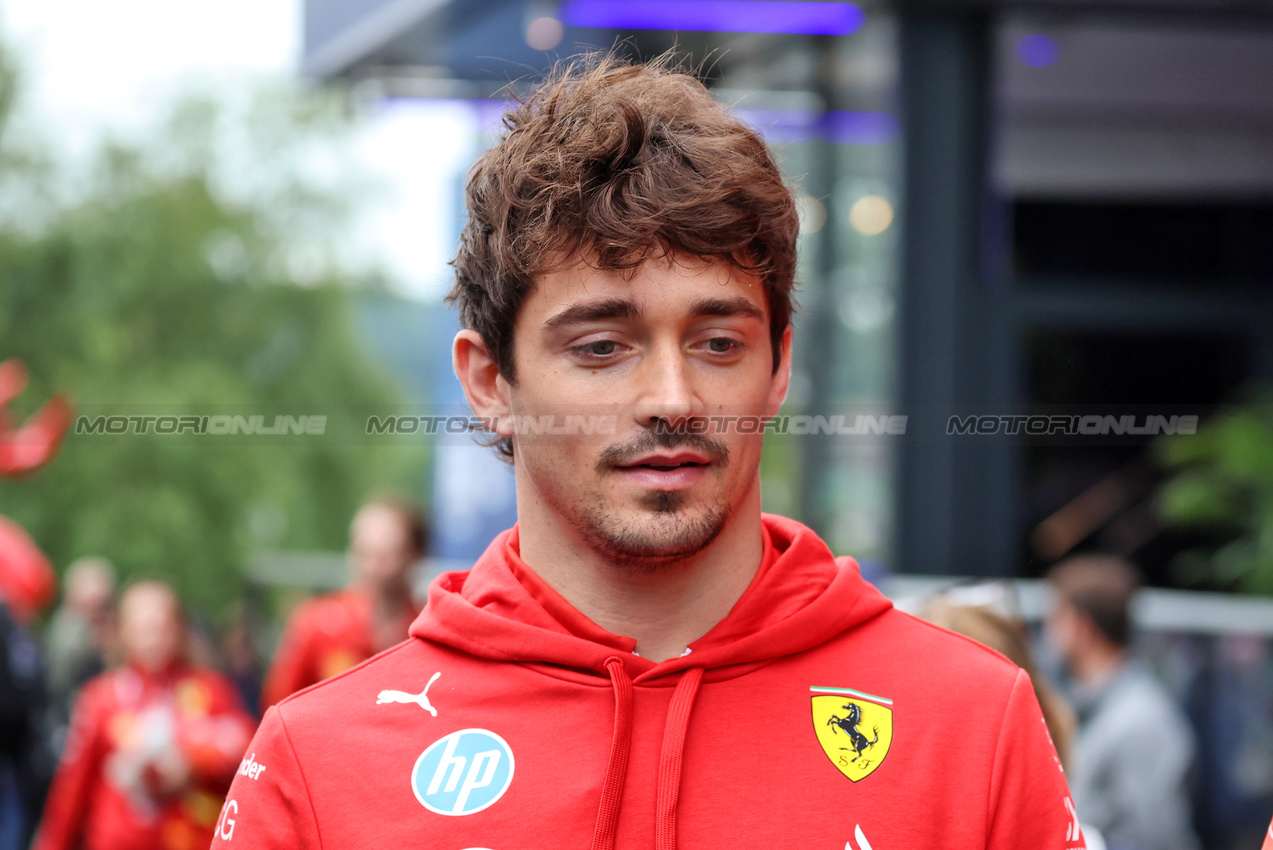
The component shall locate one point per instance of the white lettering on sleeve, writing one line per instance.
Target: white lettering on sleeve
(225, 825)
(250, 767)
(1072, 830)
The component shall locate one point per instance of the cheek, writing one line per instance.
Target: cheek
(561, 460)
(1058, 628)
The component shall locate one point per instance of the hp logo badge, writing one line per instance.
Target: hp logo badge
(463, 772)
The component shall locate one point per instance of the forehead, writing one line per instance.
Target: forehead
(376, 519)
(675, 285)
(143, 600)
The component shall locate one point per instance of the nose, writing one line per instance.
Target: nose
(668, 393)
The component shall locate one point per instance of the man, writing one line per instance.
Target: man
(332, 633)
(153, 745)
(77, 639)
(26, 759)
(644, 659)
(1132, 754)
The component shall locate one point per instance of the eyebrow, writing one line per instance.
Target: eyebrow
(595, 311)
(726, 307)
(623, 308)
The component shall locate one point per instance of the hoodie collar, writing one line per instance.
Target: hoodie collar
(564, 617)
(799, 598)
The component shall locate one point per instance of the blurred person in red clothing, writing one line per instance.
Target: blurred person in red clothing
(330, 634)
(153, 745)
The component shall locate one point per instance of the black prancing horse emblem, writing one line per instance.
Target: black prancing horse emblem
(849, 726)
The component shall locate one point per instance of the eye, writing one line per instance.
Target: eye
(722, 348)
(597, 350)
(722, 345)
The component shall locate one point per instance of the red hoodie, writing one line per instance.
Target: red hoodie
(125, 723)
(324, 636)
(813, 716)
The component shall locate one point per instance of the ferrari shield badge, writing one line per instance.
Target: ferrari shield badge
(854, 728)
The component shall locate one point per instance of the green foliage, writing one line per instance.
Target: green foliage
(1223, 483)
(168, 285)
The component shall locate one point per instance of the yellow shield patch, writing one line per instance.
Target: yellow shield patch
(855, 729)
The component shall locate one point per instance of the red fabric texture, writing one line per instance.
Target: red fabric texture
(324, 636)
(27, 580)
(27, 447)
(719, 747)
(104, 795)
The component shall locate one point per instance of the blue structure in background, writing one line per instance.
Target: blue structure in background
(470, 490)
(473, 494)
(1038, 51)
(775, 16)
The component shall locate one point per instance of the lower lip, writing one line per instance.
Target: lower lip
(656, 479)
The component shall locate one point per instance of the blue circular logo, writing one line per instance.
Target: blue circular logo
(463, 772)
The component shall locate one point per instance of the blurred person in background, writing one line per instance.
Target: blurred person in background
(153, 745)
(977, 613)
(78, 637)
(26, 760)
(238, 654)
(336, 631)
(977, 617)
(27, 584)
(1134, 748)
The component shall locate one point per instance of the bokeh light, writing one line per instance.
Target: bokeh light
(544, 33)
(812, 213)
(871, 215)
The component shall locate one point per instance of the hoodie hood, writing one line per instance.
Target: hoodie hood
(801, 597)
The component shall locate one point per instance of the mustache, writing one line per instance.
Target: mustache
(663, 437)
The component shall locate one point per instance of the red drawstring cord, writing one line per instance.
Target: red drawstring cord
(670, 757)
(607, 827)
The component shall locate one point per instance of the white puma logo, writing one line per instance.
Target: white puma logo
(421, 699)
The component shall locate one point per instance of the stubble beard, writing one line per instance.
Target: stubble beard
(661, 538)
(662, 534)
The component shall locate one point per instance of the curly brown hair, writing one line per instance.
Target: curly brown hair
(614, 163)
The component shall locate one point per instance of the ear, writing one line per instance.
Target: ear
(485, 388)
(781, 379)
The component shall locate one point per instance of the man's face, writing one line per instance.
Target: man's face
(1063, 626)
(380, 546)
(667, 353)
(151, 631)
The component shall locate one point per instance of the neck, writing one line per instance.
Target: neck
(1098, 664)
(664, 610)
(390, 594)
(154, 669)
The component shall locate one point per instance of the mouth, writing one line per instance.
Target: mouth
(664, 462)
(665, 471)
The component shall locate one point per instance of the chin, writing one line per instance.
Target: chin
(656, 535)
